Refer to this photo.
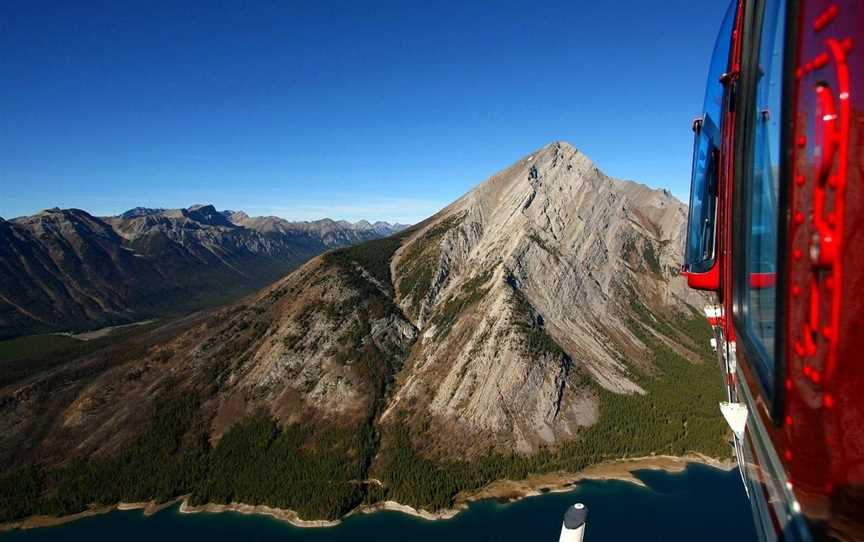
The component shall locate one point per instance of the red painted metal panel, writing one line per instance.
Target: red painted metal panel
(826, 343)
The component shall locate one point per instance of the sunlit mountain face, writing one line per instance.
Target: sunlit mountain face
(538, 323)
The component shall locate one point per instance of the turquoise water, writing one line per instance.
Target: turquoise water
(700, 504)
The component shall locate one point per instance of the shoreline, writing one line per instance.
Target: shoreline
(501, 490)
(33, 522)
(282, 514)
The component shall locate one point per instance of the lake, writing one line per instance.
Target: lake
(699, 504)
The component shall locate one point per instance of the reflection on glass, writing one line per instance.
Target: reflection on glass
(714, 89)
(699, 251)
(762, 260)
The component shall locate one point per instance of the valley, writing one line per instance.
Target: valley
(66, 270)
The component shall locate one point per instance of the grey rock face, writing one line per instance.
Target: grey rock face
(523, 291)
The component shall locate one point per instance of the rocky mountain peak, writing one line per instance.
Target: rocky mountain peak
(554, 245)
(207, 214)
(69, 224)
(237, 217)
(140, 211)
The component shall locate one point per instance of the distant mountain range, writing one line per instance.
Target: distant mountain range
(64, 269)
(539, 323)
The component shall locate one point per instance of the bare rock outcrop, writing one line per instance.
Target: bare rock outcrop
(524, 291)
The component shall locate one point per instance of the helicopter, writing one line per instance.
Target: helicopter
(775, 237)
(775, 234)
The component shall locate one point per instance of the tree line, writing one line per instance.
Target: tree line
(322, 473)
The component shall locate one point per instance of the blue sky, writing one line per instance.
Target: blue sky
(377, 110)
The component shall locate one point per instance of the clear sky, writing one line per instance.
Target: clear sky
(350, 109)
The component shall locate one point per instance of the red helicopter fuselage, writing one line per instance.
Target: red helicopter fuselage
(776, 232)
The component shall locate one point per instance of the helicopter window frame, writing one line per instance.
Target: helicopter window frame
(707, 135)
(703, 213)
(769, 374)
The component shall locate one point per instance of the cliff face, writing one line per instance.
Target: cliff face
(526, 292)
(66, 270)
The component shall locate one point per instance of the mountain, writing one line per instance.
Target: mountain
(66, 267)
(66, 270)
(329, 232)
(538, 323)
(530, 291)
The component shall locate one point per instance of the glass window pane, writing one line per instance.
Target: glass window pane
(719, 65)
(761, 263)
(699, 250)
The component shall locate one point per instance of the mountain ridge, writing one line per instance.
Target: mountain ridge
(538, 323)
(151, 261)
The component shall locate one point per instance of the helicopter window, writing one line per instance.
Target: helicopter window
(762, 232)
(714, 91)
(703, 198)
(701, 229)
